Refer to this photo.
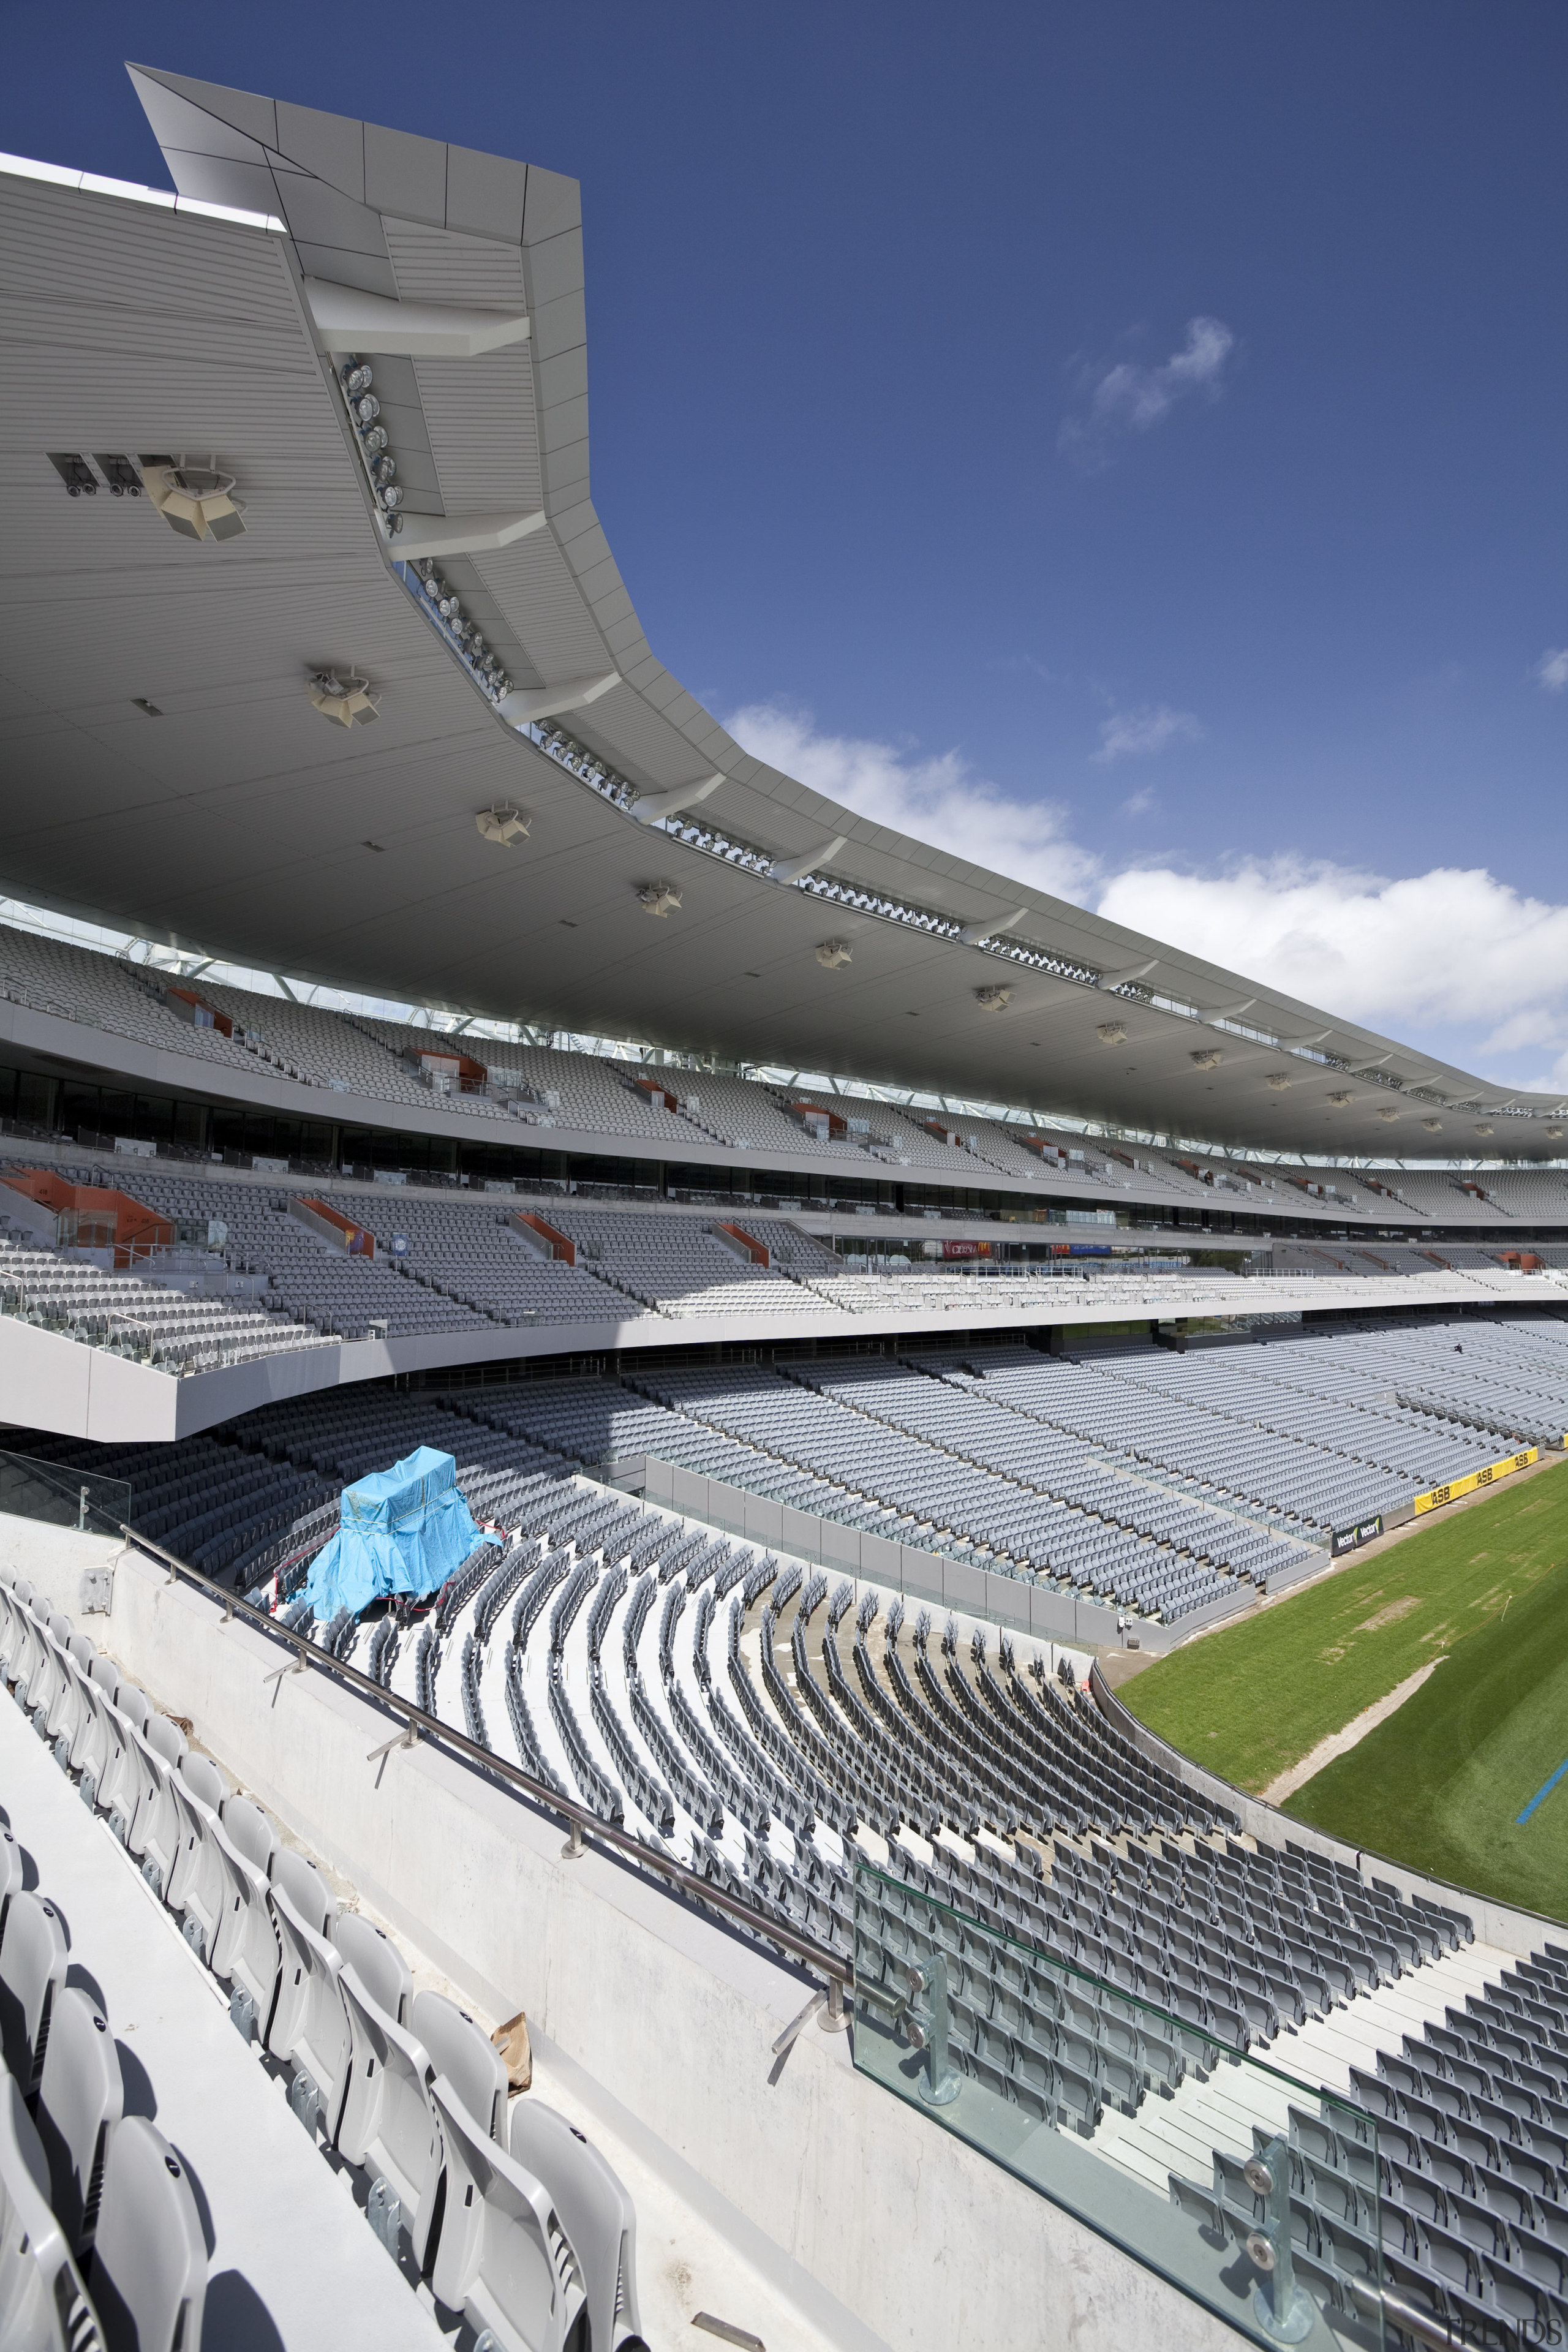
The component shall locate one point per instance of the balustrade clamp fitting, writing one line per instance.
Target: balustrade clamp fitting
(407, 1738)
(573, 1849)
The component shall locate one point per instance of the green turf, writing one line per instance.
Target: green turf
(1439, 1784)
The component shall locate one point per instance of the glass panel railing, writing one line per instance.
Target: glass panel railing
(1258, 2193)
(66, 1498)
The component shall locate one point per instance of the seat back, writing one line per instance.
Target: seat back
(149, 2258)
(309, 2029)
(306, 1888)
(243, 1951)
(201, 1775)
(165, 1737)
(377, 1962)
(134, 1704)
(595, 2212)
(33, 1960)
(80, 2096)
(503, 2257)
(249, 1832)
(154, 1833)
(466, 2056)
(25, 1661)
(196, 1885)
(10, 1873)
(42, 2306)
(388, 2125)
(118, 1774)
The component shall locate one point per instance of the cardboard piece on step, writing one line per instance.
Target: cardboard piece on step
(517, 2055)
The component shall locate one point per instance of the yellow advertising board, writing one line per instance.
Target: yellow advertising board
(1487, 1478)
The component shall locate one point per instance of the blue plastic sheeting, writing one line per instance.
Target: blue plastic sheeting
(401, 1530)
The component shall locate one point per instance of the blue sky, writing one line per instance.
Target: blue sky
(1126, 442)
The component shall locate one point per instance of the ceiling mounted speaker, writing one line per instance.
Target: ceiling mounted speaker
(659, 898)
(504, 825)
(1485, 1130)
(993, 999)
(1278, 1080)
(1389, 1114)
(1341, 1095)
(1434, 1125)
(195, 500)
(1112, 1032)
(349, 701)
(833, 955)
(1209, 1057)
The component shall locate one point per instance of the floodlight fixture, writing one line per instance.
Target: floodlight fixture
(1278, 1080)
(348, 701)
(993, 999)
(1112, 1032)
(1434, 1125)
(1341, 1095)
(659, 898)
(1207, 1057)
(504, 825)
(195, 500)
(833, 954)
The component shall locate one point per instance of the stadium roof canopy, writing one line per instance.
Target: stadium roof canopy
(167, 771)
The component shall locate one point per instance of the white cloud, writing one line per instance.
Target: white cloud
(1451, 946)
(1138, 804)
(1453, 961)
(938, 799)
(1135, 734)
(1126, 398)
(1552, 670)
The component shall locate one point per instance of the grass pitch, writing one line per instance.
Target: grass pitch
(1441, 1783)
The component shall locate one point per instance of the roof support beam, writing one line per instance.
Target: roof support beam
(1121, 979)
(974, 935)
(463, 534)
(792, 869)
(526, 703)
(349, 320)
(650, 807)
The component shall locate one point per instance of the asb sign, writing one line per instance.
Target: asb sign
(1457, 1486)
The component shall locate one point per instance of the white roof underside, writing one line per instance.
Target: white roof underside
(238, 824)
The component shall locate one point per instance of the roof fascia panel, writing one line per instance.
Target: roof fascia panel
(485, 194)
(330, 147)
(560, 326)
(554, 204)
(405, 175)
(243, 111)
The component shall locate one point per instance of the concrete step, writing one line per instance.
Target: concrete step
(1180, 2133)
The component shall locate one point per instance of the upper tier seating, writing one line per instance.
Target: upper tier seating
(106, 991)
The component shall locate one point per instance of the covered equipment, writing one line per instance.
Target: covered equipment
(401, 1530)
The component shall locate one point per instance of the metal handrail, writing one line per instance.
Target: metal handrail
(418, 1726)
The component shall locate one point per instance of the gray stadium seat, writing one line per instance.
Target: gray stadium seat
(81, 2097)
(388, 2127)
(310, 2025)
(10, 1873)
(42, 2306)
(503, 2257)
(595, 2212)
(467, 2057)
(377, 1964)
(149, 2258)
(32, 1962)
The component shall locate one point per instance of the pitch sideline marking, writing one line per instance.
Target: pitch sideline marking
(1542, 1794)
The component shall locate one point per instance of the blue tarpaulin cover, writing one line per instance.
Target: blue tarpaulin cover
(401, 1530)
